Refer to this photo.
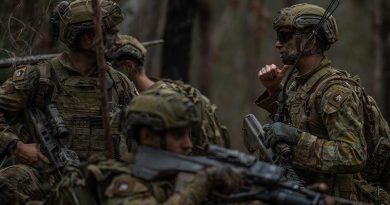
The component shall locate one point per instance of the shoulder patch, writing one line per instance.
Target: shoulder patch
(124, 185)
(19, 74)
(337, 98)
(334, 98)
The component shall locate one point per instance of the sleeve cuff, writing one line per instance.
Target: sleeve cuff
(303, 148)
(267, 101)
(5, 138)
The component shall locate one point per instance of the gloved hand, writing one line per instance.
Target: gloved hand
(280, 132)
(225, 178)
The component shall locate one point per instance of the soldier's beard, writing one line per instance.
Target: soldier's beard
(289, 59)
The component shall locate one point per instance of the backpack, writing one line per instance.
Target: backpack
(211, 130)
(376, 130)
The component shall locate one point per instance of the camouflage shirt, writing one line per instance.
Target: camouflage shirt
(77, 98)
(102, 181)
(332, 147)
(210, 131)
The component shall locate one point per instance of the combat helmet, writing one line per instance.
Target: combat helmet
(160, 110)
(128, 47)
(69, 19)
(305, 16)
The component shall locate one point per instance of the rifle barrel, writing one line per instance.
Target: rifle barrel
(16, 61)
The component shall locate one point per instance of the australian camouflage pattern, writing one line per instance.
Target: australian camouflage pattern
(210, 130)
(110, 182)
(332, 147)
(76, 97)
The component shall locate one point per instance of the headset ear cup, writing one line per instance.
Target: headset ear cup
(55, 18)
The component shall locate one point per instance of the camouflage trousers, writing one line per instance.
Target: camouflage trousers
(20, 184)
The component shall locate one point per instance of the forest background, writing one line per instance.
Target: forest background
(218, 46)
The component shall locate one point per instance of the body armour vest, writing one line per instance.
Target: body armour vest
(304, 114)
(78, 99)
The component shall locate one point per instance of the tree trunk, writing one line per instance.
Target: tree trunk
(204, 70)
(385, 35)
(178, 37)
(376, 16)
(145, 20)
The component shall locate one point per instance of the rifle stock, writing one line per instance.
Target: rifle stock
(154, 164)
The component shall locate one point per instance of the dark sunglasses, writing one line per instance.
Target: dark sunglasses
(284, 36)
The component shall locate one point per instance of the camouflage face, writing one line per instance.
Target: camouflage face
(159, 110)
(287, 47)
(70, 19)
(306, 16)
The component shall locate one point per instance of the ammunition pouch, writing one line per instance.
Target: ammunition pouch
(87, 136)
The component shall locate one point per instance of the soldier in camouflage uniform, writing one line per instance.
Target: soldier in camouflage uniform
(160, 118)
(69, 81)
(325, 129)
(128, 57)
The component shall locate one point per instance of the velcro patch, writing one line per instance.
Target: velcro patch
(19, 74)
(337, 98)
(124, 184)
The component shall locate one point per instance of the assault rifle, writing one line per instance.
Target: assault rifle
(16, 61)
(48, 128)
(254, 138)
(154, 164)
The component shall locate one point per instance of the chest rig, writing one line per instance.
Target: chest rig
(303, 108)
(78, 101)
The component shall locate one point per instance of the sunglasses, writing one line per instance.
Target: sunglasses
(284, 36)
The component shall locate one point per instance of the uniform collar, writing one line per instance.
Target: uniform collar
(64, 60)
(301, 79)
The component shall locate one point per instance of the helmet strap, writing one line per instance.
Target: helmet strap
(298, 41)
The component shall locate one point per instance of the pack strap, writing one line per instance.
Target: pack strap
(369, 115)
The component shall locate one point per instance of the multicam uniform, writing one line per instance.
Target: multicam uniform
(76, 97)
(110, 182)
(336, 130)
(210, 131)
(331, 147)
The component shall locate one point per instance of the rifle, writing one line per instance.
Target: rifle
(254, 139)
(154, 164)
(47, 132)
(16, 61)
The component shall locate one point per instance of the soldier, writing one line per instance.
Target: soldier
(325, 116)
(128, 57)
(158, 118)
(162, 119)
(71, 83)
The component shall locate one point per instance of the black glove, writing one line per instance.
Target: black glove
(280, 132)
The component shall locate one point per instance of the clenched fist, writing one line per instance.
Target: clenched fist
(271, 76)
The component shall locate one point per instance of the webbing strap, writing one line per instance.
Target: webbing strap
(369, 116)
